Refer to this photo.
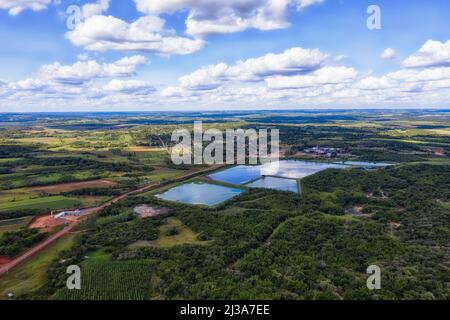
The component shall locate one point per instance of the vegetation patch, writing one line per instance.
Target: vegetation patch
(113, 280)
(29, 277)
(40, 204)
(175, 233)
(14, 224)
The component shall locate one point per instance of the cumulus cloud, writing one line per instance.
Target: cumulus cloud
(290, 62)
(226, 16)
(432, 54)
(389, 54)
(83, 71)
(294, 78)
(102, 33)
(324, 76)
(15, 7)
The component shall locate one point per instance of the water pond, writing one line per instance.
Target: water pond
(199, 193)
(275, 183)
(293, 169)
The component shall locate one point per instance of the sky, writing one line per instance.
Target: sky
(137, 55)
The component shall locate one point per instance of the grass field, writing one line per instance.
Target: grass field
(30, 276)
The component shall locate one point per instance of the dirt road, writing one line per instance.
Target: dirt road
(42, 245)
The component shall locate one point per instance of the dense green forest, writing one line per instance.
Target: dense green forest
(278, 245)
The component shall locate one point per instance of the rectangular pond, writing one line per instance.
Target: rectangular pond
(275, 183)
(292, 169)
(296, 169)
(199, 193)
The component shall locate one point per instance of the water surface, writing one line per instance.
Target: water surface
(275, 183)
(237, 175)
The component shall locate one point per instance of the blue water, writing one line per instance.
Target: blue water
(275, 183)
(237, 175)
(199, 193)
(296, 169)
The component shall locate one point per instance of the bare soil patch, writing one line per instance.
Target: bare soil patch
(46, 223)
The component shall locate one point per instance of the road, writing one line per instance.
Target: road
(45, 243)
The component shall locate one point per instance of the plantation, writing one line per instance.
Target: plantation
(118, 280)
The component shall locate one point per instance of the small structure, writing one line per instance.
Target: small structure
(10, 296)
(326, 151)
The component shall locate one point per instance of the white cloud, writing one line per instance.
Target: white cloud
(290, 62)
(432, 54)
(326, 75)
(226, 16)
(102, 33)
(83, 56)
(389, 54)
(83, 71)
(129, 86)
(15, 7)
(302, 78)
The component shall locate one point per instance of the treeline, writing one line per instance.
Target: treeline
(13, 243)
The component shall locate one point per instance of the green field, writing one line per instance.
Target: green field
(262, 244)
(184, 236)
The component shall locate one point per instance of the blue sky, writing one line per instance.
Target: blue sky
(178, 47)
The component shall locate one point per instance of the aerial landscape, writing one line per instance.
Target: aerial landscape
(149, 163)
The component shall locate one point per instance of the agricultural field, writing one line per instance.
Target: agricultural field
(118, 280)
(31, 276)
(261, 244)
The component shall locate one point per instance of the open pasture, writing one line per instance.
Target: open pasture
(72, 186)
